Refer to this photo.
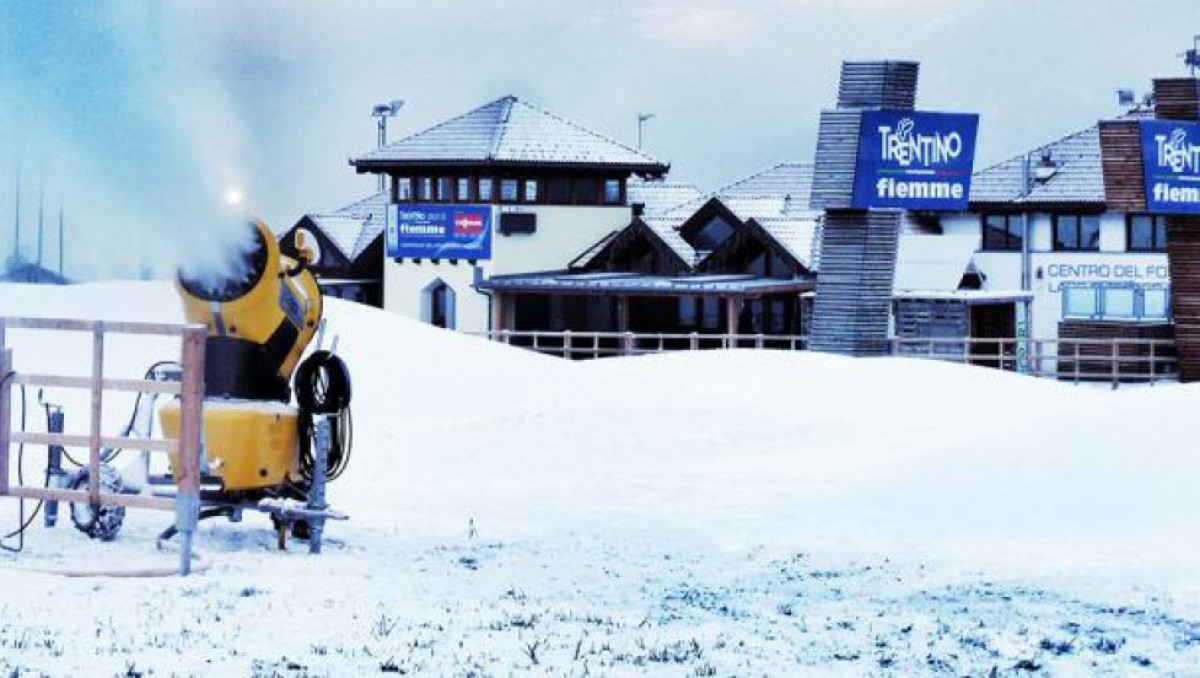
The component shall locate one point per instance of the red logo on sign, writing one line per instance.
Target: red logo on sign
(468, 224)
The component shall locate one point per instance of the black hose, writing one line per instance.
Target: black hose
(322, 386)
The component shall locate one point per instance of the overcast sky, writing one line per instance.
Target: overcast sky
(141, 115)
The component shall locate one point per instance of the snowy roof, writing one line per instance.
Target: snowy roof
(797, 237)
(353, 228)
(510, 131)
(781, 190)
(777, 198)
(659, 196)
(1074, 173)
(933, 263)
(966, 296)
(1076, 176)
(667, 229)
(615, 281)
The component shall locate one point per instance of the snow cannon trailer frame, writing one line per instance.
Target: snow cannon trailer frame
(182, 492)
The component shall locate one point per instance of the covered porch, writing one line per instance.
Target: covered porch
(614, 309)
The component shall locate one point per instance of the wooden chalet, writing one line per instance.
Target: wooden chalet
(736, 262)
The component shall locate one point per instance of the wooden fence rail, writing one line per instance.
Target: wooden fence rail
(188, 447)
(1115, 361)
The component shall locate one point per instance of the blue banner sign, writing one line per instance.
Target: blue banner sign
(1171, 164)
(439, 232)
(915, 160)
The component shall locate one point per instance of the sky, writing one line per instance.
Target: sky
(140, 117)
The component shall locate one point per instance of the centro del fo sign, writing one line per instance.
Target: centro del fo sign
(915, 160)
(1171, 165)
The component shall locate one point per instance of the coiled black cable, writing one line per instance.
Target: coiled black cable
(322, 386)
(22, 523)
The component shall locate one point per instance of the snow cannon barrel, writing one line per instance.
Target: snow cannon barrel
(261, 311)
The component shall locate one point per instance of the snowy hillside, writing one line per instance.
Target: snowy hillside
(711, 513)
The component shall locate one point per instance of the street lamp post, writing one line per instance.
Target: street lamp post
(381, 112)
(642, 118)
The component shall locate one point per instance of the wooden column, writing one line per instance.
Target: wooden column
(499, 312)
(733, 311)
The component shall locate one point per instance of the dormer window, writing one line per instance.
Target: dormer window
(712, 234)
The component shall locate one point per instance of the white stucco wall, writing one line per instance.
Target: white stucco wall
(1050, 269)
(563, 233)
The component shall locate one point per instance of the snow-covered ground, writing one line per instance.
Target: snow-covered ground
(714, 513)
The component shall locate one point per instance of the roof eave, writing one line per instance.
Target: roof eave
(382, 166)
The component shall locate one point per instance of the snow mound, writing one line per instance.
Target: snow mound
(732, 447)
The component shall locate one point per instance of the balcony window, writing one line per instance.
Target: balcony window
(1001, 232)
(1146, 233)
(1076, 233)
(508, 190)
(612, 191)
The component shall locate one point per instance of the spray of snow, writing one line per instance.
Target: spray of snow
(151, 142)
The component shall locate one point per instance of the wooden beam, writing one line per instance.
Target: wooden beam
(82, 496)
(128, 385)
(167, 445)
(164, 329)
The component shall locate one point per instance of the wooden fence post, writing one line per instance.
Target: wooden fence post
(97, 412)
(191, 441)
(5, 414)
(1116, 352)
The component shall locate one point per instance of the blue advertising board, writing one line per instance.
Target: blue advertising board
(439, 232)
(1171, 165)
(915, 160)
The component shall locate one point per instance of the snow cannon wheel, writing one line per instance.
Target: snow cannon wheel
(102, 522)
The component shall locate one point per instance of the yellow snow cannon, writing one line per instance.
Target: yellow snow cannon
(260, 315)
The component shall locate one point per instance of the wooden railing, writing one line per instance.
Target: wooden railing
(1078, 360)
(190, 389)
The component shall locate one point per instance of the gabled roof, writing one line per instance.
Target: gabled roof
(638, 229)
(355, 227)
(509, 131)
(751, 230)
(584, 260)
(777, 198)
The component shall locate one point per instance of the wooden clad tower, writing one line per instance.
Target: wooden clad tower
(1179, 99)
(858, 247)
(1125, 191)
